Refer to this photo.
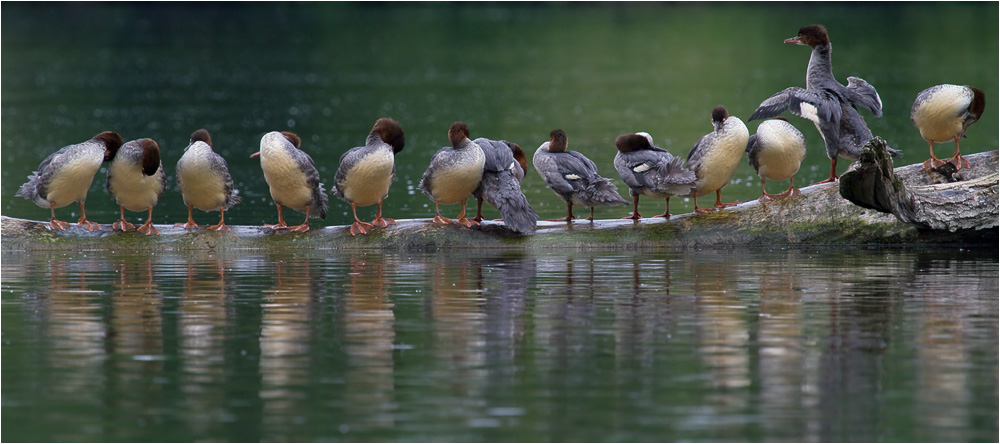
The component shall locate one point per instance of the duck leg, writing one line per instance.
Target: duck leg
(569, 214)
(934, 162)
(635, 209)
(54, 223)
(379, 220)
(462, 220)
(281, 220)
(833, 172)
(764, 197)
(439, 219)
(791, 191)
(700, 210)
(358, 227)
(718, 200)
(957, 159)
(479, 210)
(84, 222)
(222, 221)
(190, 223)
(305, 225)
(591, 217)
(122, 225)
(666, 209)
(148, 228)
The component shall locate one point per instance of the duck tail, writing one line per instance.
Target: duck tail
(602, 192)
(321, 202)
(31, 192)
(503, 191)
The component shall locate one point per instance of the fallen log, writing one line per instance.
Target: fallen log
(939, 199)
(819, 216)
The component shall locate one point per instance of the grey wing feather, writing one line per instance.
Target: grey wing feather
(320, 200)
(498, 154)
(753, 152)
(347, 160)
(863, 94)
(791, 99)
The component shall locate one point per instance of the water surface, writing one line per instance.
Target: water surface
(686, 345)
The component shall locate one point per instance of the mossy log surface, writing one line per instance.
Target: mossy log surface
(820, 216)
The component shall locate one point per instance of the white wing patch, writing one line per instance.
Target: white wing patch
(809, 111)
(572, 177)
(512, 165)
(642, 168)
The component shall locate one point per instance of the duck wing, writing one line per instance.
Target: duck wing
(863, 94)
(813, 105)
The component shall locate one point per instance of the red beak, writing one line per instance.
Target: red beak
(792, 40)
(255, 154)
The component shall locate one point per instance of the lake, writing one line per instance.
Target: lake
(807, 344)
(812, 343)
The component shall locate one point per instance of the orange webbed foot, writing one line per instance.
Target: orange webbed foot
(467, 222)
(383, 222)
(277, 226)
(58, 225)
(359, 228)
(959, 162)
(439, 219)
(932, 163)
(122, 225)
(219, 227)
(187, 225)
(704, 210)
(300, 228)
(148, 228)
(90, 225)
(665, 215)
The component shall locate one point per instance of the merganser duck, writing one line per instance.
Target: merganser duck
(827, 103)
(454, 173)
(65, 176)
(366, 172)
(204, 180)
(943, 113)
(501, 185)
(651, 171)
(716, 155)
(776, 152)
(136, 180)
(292, 178)
(573, 177)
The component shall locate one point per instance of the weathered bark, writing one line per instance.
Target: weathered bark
(940, 199)
(819, 216)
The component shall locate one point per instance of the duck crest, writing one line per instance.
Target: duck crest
(978, 104)
(390, 132)
(150, 156)
(112, 141)
(558, 141)
(519, 155)
(457, 133)
(293, 138)
(201, 135)
(632, 142)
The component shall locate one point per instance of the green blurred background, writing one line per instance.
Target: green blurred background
(511, 71)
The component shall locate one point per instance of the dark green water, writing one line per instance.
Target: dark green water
(515, 72)
(733, 345)
(697, 345)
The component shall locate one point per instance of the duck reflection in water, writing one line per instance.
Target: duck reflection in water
(369, 329)
(287, 311)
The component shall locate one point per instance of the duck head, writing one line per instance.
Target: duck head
(457, 133)
(719, 115)
(111, 141)
(390, 132)
(200, 135)
(557, 141)
(293, 138)
(811, 36)
(627, 143)
(150, 156)
(519, 155)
